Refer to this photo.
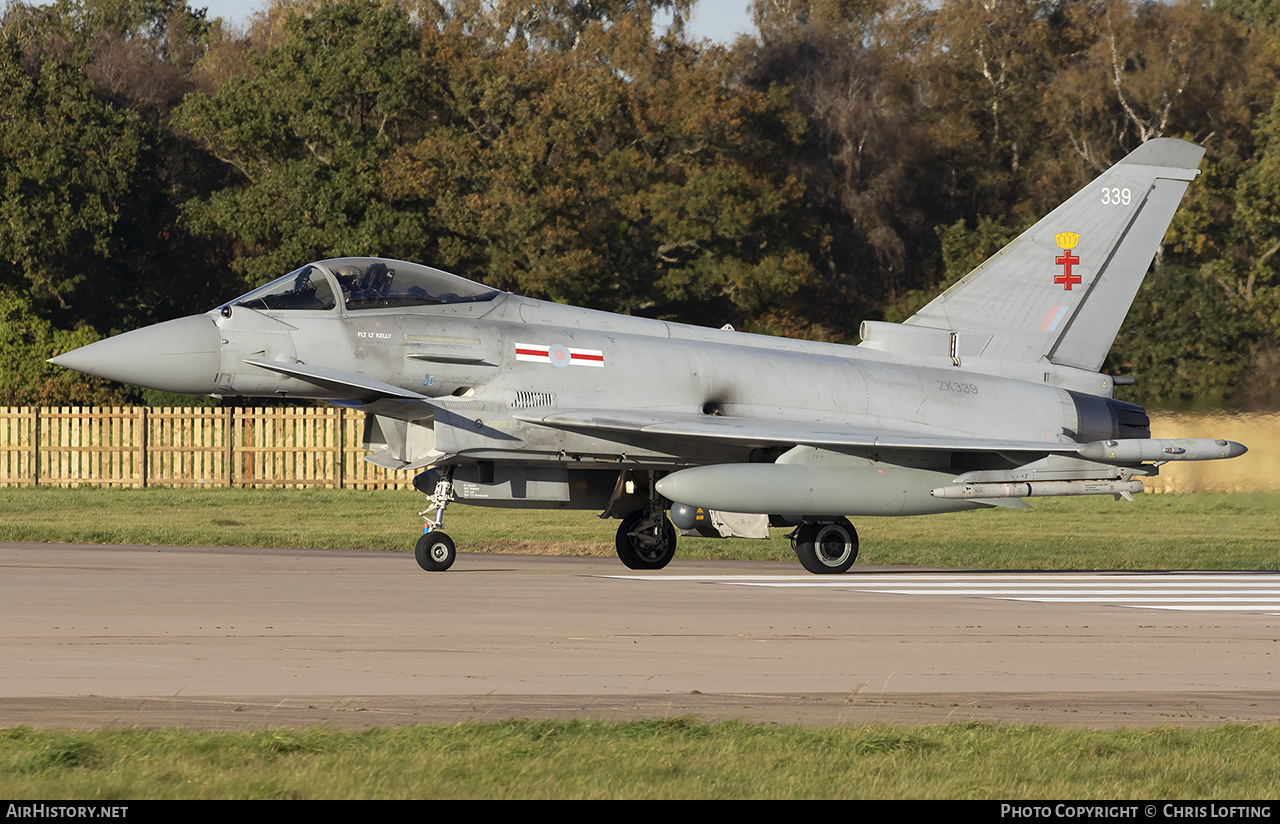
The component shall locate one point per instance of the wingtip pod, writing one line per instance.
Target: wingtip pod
(1161, 449)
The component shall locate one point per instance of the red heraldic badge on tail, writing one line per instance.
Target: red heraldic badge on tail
(1066, 242)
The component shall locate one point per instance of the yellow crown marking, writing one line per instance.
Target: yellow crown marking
(1067, 240)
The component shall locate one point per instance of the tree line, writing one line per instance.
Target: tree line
(847, 163)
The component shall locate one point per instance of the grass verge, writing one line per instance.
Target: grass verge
(1194, 531)
(675, 758)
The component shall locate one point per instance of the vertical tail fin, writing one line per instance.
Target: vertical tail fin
(1061, 289)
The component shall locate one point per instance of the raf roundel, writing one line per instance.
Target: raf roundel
(558, 355)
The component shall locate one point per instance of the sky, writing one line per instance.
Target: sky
(718, 20)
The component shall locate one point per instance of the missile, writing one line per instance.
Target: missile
(1043, 489)
(1161, 449)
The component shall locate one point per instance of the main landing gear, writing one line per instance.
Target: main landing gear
(826, 548)
(435, 550)
(646, 539)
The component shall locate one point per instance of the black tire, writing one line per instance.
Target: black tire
(435, 552)
(652, 550)
(827, 549)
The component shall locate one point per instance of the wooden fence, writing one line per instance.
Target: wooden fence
(141, 446)
(1256, 471)
(293, 446)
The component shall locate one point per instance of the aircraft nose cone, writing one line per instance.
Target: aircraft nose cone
(180, 356)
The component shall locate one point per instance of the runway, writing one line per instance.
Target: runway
(234, 637)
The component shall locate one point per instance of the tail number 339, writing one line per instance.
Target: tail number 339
(1115, 196)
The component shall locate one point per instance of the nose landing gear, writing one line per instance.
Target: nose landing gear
(435, 551)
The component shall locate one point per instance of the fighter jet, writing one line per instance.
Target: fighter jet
(989, 395)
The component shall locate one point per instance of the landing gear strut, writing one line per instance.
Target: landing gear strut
(435, 550)
(826, 549)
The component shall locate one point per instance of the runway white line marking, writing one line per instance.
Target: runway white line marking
(1000, 589)
(1225, 592)
(867, 579)
(1003, 593)
(1257, 603)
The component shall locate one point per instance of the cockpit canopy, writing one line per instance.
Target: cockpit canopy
(364, 283)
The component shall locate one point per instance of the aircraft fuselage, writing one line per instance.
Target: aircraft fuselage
(483, 364)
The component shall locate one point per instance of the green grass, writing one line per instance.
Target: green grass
(1192, 531)
(675, 758)
(1200, 531)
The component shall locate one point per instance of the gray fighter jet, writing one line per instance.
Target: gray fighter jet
(989, 395)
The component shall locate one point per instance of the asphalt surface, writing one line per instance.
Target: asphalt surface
(226, 638)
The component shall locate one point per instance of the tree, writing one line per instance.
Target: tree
(28, 340)
(91, 181)
(620, 168)
(1177, 368)
(68, 163)
(306, 131)
(1157, 70)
